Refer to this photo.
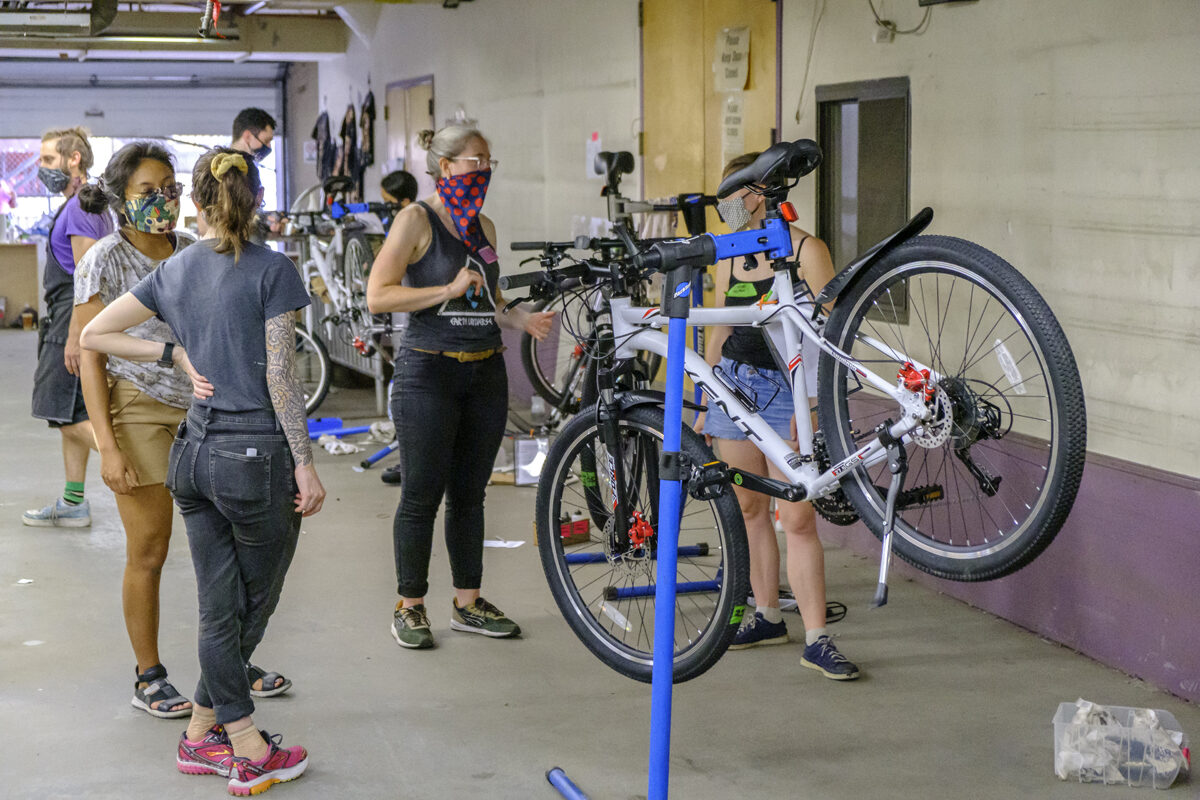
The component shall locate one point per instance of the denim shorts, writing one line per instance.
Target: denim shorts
(767, 387)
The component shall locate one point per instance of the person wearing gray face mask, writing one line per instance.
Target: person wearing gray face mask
(743, 355)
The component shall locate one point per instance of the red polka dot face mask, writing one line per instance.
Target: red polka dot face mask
(463, 197)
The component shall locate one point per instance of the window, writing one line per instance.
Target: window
(862, 183)
(19, 165)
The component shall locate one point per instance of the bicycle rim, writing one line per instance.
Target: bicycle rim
(312, 369)
(991, 478)
(608, 597)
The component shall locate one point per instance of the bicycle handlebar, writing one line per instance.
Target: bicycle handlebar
(580, 243)
(524, 279)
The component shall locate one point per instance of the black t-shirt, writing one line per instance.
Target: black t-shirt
(218, 310)
(466, 323)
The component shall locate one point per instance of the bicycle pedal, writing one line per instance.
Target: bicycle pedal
(919, 496)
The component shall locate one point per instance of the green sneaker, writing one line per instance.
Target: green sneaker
(410, 627)
(483, 617)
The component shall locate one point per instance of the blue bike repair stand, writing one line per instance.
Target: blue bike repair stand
(678, 287)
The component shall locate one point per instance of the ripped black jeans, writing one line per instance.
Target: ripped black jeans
(233, 478)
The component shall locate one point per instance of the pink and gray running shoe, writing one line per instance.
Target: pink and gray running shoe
(212, 755)
(280, 764)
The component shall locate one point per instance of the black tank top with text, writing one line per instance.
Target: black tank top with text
(747, 344)
(466, 323)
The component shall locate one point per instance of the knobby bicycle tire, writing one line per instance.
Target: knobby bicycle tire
(608, 599)
(993, 477)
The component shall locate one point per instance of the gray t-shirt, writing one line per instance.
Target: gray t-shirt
(218, 310)
(110, 268)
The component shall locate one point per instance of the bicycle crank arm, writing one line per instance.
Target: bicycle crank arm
(988, 484)
(717, 473)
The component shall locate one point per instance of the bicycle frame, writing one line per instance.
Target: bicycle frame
(785, 324)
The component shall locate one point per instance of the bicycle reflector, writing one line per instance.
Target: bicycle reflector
(788, 212)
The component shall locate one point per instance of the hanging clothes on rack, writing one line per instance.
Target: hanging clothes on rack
(348, 151)
(327, 155)
(366, 141)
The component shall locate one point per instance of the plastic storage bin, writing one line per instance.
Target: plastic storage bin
(1122, 753)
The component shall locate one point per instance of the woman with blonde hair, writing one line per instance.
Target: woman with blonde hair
(241, 468)
(450, 394)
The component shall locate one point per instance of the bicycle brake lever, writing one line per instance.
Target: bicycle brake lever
(511, 303)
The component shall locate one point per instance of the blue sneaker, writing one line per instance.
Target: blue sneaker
(59, 514)
(759, 632)
(823, 655)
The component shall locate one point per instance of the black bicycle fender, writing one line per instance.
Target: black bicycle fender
(844, 278)
(651, 397)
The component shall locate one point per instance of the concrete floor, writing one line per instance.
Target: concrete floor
(954, 702)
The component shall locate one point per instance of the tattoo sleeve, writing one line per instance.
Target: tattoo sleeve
(286, 395)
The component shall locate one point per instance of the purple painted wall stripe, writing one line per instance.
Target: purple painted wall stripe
(1120, 582)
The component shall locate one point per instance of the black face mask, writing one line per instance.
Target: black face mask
(54, 179)
(259, 154)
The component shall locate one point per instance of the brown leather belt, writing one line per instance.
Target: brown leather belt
(459, 355)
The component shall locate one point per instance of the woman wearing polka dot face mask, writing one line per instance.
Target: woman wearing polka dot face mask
(450, 389)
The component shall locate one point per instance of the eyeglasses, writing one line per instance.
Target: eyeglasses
(479, 161)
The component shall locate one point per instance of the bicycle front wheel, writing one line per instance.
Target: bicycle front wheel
(993, 475)
(314, 370)
(606, 591)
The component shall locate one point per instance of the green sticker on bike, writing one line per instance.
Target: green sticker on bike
(588, 479)
(736, 617)
(737, 478)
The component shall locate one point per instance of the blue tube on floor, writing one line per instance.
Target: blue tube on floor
(688, 551)
(559, 780)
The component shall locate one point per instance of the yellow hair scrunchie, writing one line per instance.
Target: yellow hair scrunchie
(223, 162)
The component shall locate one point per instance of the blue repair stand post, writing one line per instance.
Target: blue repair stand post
(676, 302)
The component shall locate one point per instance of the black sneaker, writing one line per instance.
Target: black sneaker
(823, 655)
(757, 631)
(391, 475)
(410, 627)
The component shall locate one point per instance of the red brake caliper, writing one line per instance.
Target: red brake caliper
(916, 380)
(640, 530)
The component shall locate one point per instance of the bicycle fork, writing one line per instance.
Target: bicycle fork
(898, 465)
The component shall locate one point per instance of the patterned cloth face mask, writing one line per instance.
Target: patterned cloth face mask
(155, 211)
(733, 211)
(463, 197)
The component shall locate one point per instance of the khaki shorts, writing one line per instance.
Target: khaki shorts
(144, 429)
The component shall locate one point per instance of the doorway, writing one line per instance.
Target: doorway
(408, 110)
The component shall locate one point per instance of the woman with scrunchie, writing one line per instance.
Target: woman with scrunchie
(136, 407)
(450, 390)
(241, 467)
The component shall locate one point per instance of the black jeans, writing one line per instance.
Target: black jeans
(232, 476)
(450, 418)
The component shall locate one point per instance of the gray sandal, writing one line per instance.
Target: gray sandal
(158, 690)
(269, 679)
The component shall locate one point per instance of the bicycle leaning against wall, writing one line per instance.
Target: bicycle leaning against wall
(940, 366)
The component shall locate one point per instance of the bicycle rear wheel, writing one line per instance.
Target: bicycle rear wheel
(993, 476)
(313, 368)
(606, 595)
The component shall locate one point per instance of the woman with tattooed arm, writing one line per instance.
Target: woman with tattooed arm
(241, 468)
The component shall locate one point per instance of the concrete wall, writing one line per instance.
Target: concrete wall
(1063, 136)
(539, 78)
(302, 108)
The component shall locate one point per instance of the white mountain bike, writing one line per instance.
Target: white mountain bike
(939, 362)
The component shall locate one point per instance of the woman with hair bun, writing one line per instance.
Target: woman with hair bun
(136, 407)
(241, 467)
(439, 264)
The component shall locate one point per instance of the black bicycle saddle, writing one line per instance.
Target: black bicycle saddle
(336, 184)
(614, 165)
(778, 165)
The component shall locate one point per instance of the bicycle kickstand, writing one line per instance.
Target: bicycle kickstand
(898, 465)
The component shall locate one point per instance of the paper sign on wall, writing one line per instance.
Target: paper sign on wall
(733, 127)
(590, 151)
(310, 151)
(731, 63)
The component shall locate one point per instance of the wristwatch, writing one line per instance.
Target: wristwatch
(166, 359)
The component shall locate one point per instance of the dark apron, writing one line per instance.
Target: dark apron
(57, 395)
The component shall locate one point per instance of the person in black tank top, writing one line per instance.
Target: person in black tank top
(743, 355)
(450, 388)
